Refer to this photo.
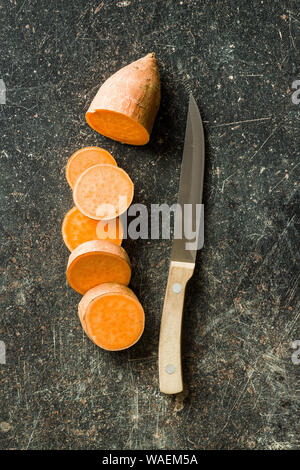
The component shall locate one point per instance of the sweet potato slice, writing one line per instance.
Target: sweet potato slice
(112, 316)
(77, 228)
(96, 262)
(126, 105)
(111, 230)
(85, 158)
(103, 192)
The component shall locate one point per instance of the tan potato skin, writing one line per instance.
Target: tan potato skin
(134, 91)
(98, 291)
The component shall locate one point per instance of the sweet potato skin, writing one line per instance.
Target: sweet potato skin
(133, 91)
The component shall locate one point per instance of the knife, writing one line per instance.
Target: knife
(183, 255)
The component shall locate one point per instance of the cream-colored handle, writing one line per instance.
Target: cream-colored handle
(169, 356)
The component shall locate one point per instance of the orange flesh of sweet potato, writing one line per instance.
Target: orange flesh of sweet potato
(111, 230)
(126, 105)
(78, 228)
(118, 126)
(112, 316)
(85, 158)
(96, 262)
(103, 192)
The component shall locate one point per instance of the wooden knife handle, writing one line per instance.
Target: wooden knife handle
(169, 356)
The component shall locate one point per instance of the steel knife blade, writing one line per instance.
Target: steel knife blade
(190, 185)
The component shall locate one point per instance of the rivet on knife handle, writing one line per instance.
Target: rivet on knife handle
(170, 373)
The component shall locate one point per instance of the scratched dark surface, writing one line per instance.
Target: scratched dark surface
(58, 390)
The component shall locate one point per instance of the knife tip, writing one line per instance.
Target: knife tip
(192, 100)
(193, 105)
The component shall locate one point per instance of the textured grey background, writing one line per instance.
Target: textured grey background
(239, 59)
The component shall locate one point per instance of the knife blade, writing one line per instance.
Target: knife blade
(191, 182)
(183, 254)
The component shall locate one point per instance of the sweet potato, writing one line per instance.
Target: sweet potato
(112, 316)
(126, 105)
(85, 158)
(77, 228)
(96, 262)
(111, 230)
(103, 192)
